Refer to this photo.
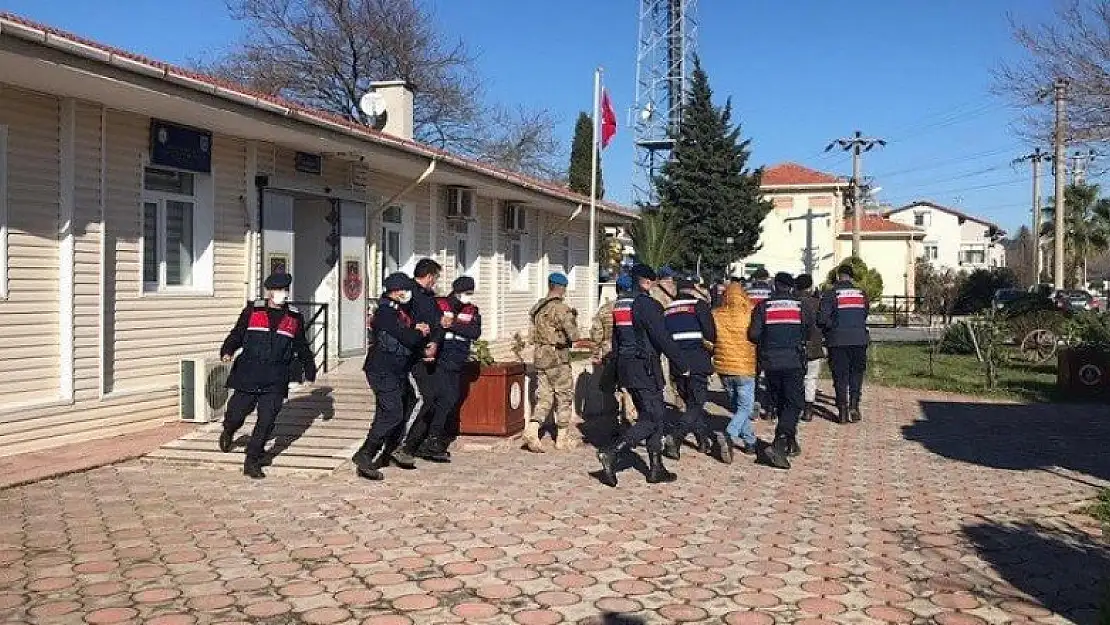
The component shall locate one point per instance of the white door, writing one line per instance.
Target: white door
(277, 234)
(352, 278)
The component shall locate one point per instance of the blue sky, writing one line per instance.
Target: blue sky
(800, 73)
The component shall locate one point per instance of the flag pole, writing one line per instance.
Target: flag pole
(591, 307)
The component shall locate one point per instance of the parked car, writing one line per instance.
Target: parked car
(1073, 300)
(1004, 297)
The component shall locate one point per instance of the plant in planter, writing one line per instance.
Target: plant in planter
(492, 394)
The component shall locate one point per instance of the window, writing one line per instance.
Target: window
(513, 218)
(921, 218)
(3, 212)
(930, 252)
(391, 240)
(170, 230)
(460, 202)
(973, 257)
(517, 251)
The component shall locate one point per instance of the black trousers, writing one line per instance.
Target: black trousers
(848, 364)
(789, 386)
(694, 391)
(433, 406)
(389, 410)
(650, 421)
(241, 404)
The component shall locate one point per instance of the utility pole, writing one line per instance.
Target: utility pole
(1059, 94)
(809, 260)
(1036, 158)
(857, 144)
(1079, 169)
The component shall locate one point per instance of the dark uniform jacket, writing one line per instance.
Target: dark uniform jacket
(758, 291)
(639, 336)
(690, 323)
(271, 338)
(425, 310)
(466, 328)
(397, 343)
(779, 327)
(843, 315)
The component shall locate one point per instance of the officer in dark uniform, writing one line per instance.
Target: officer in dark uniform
(689, 321)
(399, 342)
(462, 325)
(639, 335)
(426, 374)
(271, 334)
(843, 318)
(780, 326)
(760, 288)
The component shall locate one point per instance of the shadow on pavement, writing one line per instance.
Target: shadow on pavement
(615, 618)
(296, 418)
(1017, 437)
(1060, 568)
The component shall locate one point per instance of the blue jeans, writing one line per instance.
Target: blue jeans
(741, 399)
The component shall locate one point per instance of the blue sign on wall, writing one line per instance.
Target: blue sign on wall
(180, 147)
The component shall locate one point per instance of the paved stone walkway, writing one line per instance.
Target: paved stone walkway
(933, 510)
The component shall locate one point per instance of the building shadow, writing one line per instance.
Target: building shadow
(296, 418)
(613, 618)
(1060, 568)
(1017, 437)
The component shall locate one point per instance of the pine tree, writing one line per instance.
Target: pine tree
(706, 188)
(579, 173)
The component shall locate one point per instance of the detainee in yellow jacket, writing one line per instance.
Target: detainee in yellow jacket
(734, 354)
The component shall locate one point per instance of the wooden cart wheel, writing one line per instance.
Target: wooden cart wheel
(1039, 346)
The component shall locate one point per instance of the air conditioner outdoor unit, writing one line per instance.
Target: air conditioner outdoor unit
(203, 395)
(460, 203)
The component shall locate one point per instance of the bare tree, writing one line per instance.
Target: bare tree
(1074, 45)
(325, 54)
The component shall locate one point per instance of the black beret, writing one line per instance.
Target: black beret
(462, 284)
(760, 274)
(398, 282)
(686, 282)
(803, 281)
(846, 270)
(278, 281)
(641, 270)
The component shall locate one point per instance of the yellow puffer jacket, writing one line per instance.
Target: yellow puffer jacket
(734, 354)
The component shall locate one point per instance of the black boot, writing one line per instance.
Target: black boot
(724, 447)
(807, 412)
(842, 414)
(227, 439)
(403, 459)
(793, 448)
(773, 454)
(705, 446)
(433, 449)
(608, 459)
(253, 469)
(657, 473)
(364, 459)
(854, 414)
(672, 447)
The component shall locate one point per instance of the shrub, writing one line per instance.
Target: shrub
(1088, 329)
(1021, 325)
(866, 278)
(977, 291)
(957, 340)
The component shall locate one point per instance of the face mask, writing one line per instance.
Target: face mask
(405, 297)
(279, 297)
(466, 298)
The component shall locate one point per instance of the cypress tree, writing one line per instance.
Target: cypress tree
(578, 175)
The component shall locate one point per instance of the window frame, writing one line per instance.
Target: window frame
(4, 258)
(203, 233)
(568, 259)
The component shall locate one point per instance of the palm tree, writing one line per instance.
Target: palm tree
(655, 239)
(1087, 233)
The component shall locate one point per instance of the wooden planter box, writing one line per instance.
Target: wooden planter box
(1083, 372)
(493, 399)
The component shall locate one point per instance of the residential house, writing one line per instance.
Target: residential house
(886, 246)
(953, 239)
(142, 204)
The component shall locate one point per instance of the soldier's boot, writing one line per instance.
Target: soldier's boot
(252, 468)
(793, 448)
(227, 439)
(364, 459)
(532, 437)
(854, 415)
(724, 447)
(773, 454)
(672, 447)
(566, 438)
(608, 459)
(657, 473)
(705, 446)
(433, 449)
(842, 414)
(807, 412)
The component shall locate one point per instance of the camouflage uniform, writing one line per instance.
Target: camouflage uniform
(670, 394)
(601, 333)
(554, 330)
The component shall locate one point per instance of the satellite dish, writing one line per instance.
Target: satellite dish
(372, 104)
(647, 112)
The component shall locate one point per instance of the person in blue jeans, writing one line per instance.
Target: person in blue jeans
(734, 361)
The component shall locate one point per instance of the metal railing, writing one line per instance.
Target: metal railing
(899, 311)
(316, 330)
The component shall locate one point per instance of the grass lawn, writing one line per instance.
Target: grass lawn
(906, 365)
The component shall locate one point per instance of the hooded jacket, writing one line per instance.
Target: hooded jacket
(734, 354)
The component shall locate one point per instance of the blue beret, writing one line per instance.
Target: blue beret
(278, 281)
(666, 272)
(642, 271)
(558, 279)
(462, 284)
(624, 282)
(398, 282)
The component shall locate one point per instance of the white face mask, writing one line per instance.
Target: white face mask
(466, 298)
(405, 297)
(279, 297)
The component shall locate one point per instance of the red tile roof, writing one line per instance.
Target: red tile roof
(42, 34)
(795, 174)
(878, 224)
(947, 209)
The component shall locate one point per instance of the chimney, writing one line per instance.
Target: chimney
(398, 107)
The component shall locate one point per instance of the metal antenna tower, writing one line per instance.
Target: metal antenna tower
(664, 61)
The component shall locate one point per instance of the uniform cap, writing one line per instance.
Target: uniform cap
(398, 282)
(463, 284)
(686, 283)
(804, 281)
(558, 279)
(760, 274)
(278, 281)
(641, 271)
(666, 272)
(624, 282)
(784, 279)
(846, 270)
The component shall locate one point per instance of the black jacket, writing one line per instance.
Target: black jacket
(815, 341)
(270, 340)
(638, 343)
(779, 327)
(843, 317)
(398, 344)
(466, 328)
(689, 320)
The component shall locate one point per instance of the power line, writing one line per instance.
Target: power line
(947, 161)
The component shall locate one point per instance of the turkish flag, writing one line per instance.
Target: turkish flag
(608, 120)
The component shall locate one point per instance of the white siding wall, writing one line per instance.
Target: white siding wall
(942, 230)
(87, 230)
(893, 258)
(783, 241)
